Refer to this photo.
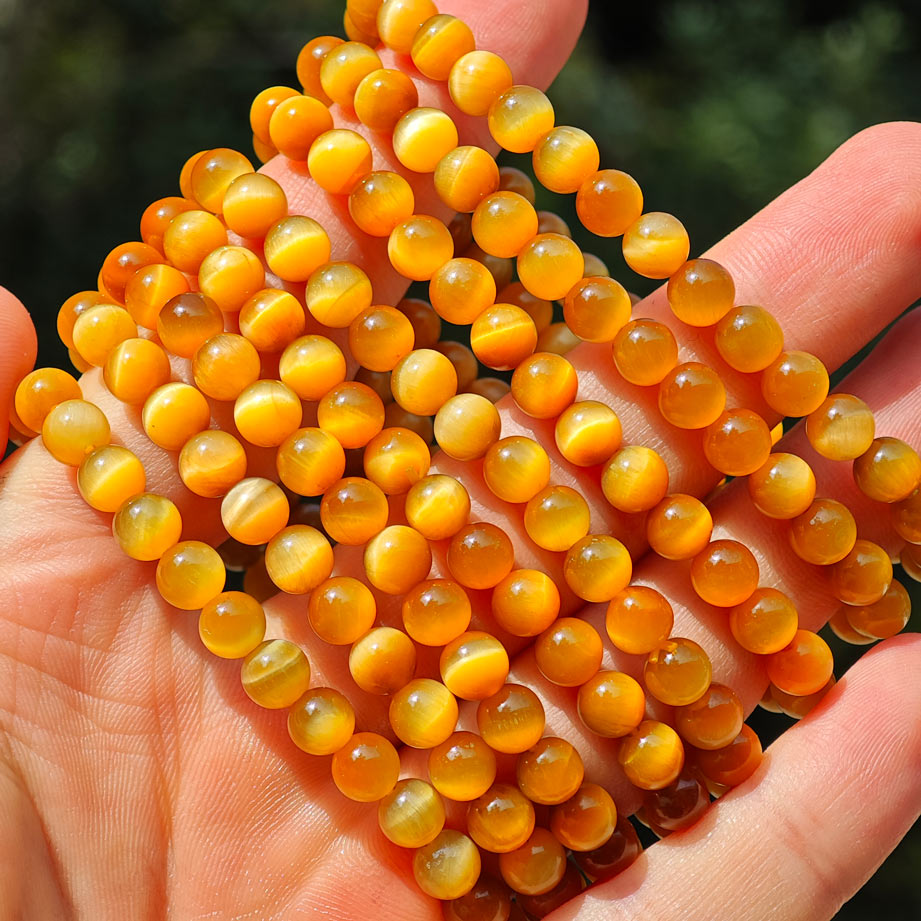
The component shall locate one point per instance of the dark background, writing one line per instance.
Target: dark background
(716, 107)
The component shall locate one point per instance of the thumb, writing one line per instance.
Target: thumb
(17, 353)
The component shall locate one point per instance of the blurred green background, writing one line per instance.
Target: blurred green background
(715, 107)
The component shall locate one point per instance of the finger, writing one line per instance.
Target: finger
(835, 795)
(17, 353)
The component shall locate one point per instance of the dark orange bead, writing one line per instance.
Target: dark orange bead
(803, 667)
(725, 573)
(734, 763)
(613, 857)
(480, 555)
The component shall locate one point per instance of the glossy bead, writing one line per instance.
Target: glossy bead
(798, 707)
(620, 851)
(422, 137)
(765, 623)
(190, 236)
(254, 202)
(725, 573)
(500, 269)
(352, 413)
(448, 867)
(656, 245)
(353, 510)
(436, 612)
(597, 567)
(267, 412)
(271, 319)
(500, 820)
(275, 674)
(748, 338)
(185, 174)
(296, 123)
(295, 247)
(463, 360)
(75, 305)
(263, 108)
(109, 476)
(737, 443)
(321, 721)
(419, 247)
(783, 487)
(337, 293)
(230, 276)
(380, 337)
(298, 558)
(397, 417)
(596, 309)
(692, 396)
(638, 620)
(380, 201)
(556, 518)
(652, 755)
(73, 429)
(519, 118)
(309, 461)
(842, 428)
(366, 768)
(423, 381)
(734, 763)
(344, 67)
(398, 21)
(863, 576)
(423, 713)
(586, 820)
(480, 555)
(338, 159)
(888, 471)
(212, 174)
(254, 511)
(355, 34)
(476, 80)
(146, 526)
(438, 43)
(588, 433)
(382, 661)
(677, 672)
(190, 574)
(231, 625)
(465, 176)
(525, 602)
(40, 391)
(187, 322)
(474, 666)
(311, 366)
(824, 533)
(841, 628)
(713, 720)
(503, 336)
(264, 152)
(309, 62)
(883, 618)
(537, 866)
(121, 263)
(488, 900)
(701, 292)
(511, 720)
(462, 767)
(564, 159)
(99, 330)
(645, 351)
(635, 479)
(395, 459)
(341, 610)
(609, 202)
(679, 527)
(611, 704)
(503, 223)
(568, 652)
(677, 806)
(212, 462)
(802, 667)
(149, 290)
(397, 559)
(460, 290)
(437, 506)
(550, 772)
(795, 384)
(156, 218)
(549, 265)
(543, 385)
(412, 814)
(905, 516)
(516, 468)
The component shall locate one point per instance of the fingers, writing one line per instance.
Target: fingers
(17, 353)
(835, 795)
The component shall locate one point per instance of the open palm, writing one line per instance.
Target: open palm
(138, 781)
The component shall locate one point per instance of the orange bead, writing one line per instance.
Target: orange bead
(448, 867)
(842, 428)
(701, 292)
(516, 469)
(500, 820)
(99, 330)
(725, 573)
(503, 336)
(692, 396)
(737, 443)
(225, 365)
(679, 527)
(230, 276)
(311, 366)
(213, 172)
(254, 511)
(187, 321)
(122, 262)
(596, 309)
(611, 704)
(565, 158)
(398, 21)
(463, 767)
(423, 381)
(272, 319)
(422, 137)
(380, 337)
(419, 247)
(620, 851)
(568, 652)
(353, 510)
(503, 223)
(436, 612)
(437, 506)
(863, 576)
(537, 866)
(264, 152)
(341, 610)
(309, 61)
(296, 123)
(550, 772)
(480, 555)
(556, 518)
(463, 360)
(588, 433)
(732, 764)
(263, 108)
(825, 533)
(888, 471)
(460, 290)
(425, 322)
(466, 425)
(438, 44)
(75, 305)
(488, 900)
(883, 618)
(511, 720)
(519, 118)
(465, 176)
(382, 661)
(656, 245)
(500, 269)
(609, 202)
(295, 247)
(585, 821)
(540, 311)
(383, 98)
(544, 384)
(764, 623)
(395, 459)
(321, 721)
(146, 526)
(652, 756)
(783, 487)
(337, 293)
(596, 268)
(40, 391)
(380, 201)
(550, 222)
(597, 567)
(309, 461)
(190, 574)
(355, 34)
(337, 159)
(185, 174)
(252, 204)
(232, 625)
(173, 413)
(677, 672)
(476, 80)
(803, 667)
(713, 720)
(212, 462)
(638, 620)
(397, 559)
(645, 351)
(344, 67)
(634, 479)
(366, 768)
(267, 412)
(549, 265)
(352, 413)
(156, 218)
(148, 291)
(190, 236)
(474, 666)
(412, 815)
(795, 384)
(798, 707)
(748, 338)
(298, 559)
(110, 476)
(525, 602)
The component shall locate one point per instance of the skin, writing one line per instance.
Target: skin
(137, 780)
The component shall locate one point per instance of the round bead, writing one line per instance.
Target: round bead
(213, 172)
(476, 80)
(748, 338)
(231, 625)
(795, 384)
(275, 674)
(765, 623)
(437, 506)
(863, 576)
(537, 866)
(267, 412)
(263, 108)
(146, 526)
(634, 479)
(511, 720)
(109, 476)
(71, 309)
(309, 61)
(713, 720)
(540, 311)
(803, 667)
(503, 223)
(425, 322)
(134, 369)
(462, 767)
(398, 21)
(737, 443)
(190, 236)
(344, 67)
(609, 202)
(474, 666)
(463, 360)
(190, 574)
(422, 137)
(701, 292)
(544, 384)
(883, 618)
(516, 468)
(254, 511)
(597, 567)
(156, 218)
(783, 487)
(73, 429)
(550, 772)
(906, 517)
(465, 176)
(569, 652)
(733, 764)
(271, 319)
(596, 309)
(337, 293)
(230, 275)
(121, 263)
(352, 413)
(588, 433)
(585, 821)
(639, 619)
(556, 518)
(645, 351)
(725, 573)
(438, 43)
(253, 202)
(652, 756)
(692, 396)
(525, 602)
(412, 814)
(212, 462)
(295, 247)
(488, 900)
(380, 201)
(341, 610)
(321, 721)
(621, 850)
(100, 329)
(824, 533)
(519, 118)
(187, 321)
(379, 337)
(298, 558)
(460, 290)
(888, 471)
(296, 123)
(311, 366)
(656, 245)
(480, 555)
(677, 672)
(549, 265)
(353, 511)
(564, 159)
(448, 867)
(503, 336)
(338, 159)
(842, 428)
(611, 704)
(382, 661)
(423, 713)
(436, 612)
(395, 459)
(396, 559)
(366, 768)
(40, 391)
(679, 527)
(419, 247)
(500, 820)
(225, 366)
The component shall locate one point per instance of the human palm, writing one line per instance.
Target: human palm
(138, 780)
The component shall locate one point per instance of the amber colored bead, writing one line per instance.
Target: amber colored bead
(231, 276)
(692, 396)
(586, 820)
(888, 471)
(476, 80)
(311, 366)
(565, 158)
(802, 667)
(380, 201)
(537, 866)
(783, 487)
(447, 867)
(503, 336)
(398, 21)
(231, 625)
(100, 329)
(596, 268)
(190, 236)
(795, 384)
(296, 123)
(73, 429)
(550, 772)
(309, 62)
(516, 468)
(863, 576)
(252, 204)
(419, 247)
(462, 767)
(146, 526)
(395, 459)
(519, 117)
(544, 384)
(609, 202)
(353, 511)
(656, 245)
(635, 479)
(382, 661)
(639, 619)
(321, 721)
(677, 806)
(271, 319)
(611, 704)
(212, 174)
(396, 559)
(460, 290)
(264, 152)
(737, 443)
(422, 137)
(71, 309)
(338, 158)
(225, 366)
(597, 567)
(549, 265)
(463, 360)
(474, 666)
(765, 623)
(275, 674)
(645, 351)
(677, 672)
(412, 814)
(380, 337)
(121, 263)
(503, 223)
(798, 706)
(40, 391)
(679, 527)
(725, 573)
(540, 311)
(266, 413)
(263, 108)
(615, 856)
(309, 461)
(488, 900)
(905, 516)
(352, 413)
(500, 820)
(511, 720)
(436, 612)
(298, 558)
(701, 292)
(344, 67)
(713, 720)
(596, 309)
(295, 247)
(748, 338)
(480, 555)
(883, 618)
(109, 476)
(652, 755)
(190, 574)
(438, 44)
(824, 533)
(423, 713)
(341, 610)
(466, 426)
(212, 462)
(188, 321)
(397, 417)
(366, 768)
(568, 652)
(732, 764)
(423, 381)
(156, 218)
(355, 34)
(437, 506)
(525, 602)
(842, 428)
(148, 291)
(254, 511)
(841, 628)
(185, 175)
(465, 176)
(556, 518)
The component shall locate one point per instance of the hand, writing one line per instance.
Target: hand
(137, 779)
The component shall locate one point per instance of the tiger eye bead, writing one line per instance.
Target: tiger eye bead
(645, 351)
(586, 820)
(460, 290)
(725, 573)
(656, 245)
(883, 618)
(230, 276)
(465, 176)
(412, 814)
(597, 567)
(275, 674)
(419, 247)
(652, 755)
(611, 704)
(463, 767)
(296, 123)
(596, 309)
(190, 574)
(121, 263)
(337, 293)
(73, 429)
(549, 265)
(267, 412)
(639, 619)
(212, 462)
(737, 443)
(344, 67)
(692, 396)
(503, 223)
(841, 628)
(396, 559)
(540, 311)
(311, 366)
(842, 428)
(634, 479)
(295, 247)
(748, 338)
(40, 391)
(568, 652)
(734, 763)
(701, 292)
(395, 459)
(263, 108)
(353, 510)
(500, 269)
(187, 321)
(476, 80)
(254, 511)
(321, 721)
(382, 661)
(783, 487)
(109, 476)
(436, 612)
(677, 806)
(824, 533)
(564, 159)
(309, 62)
(149, 290)
(71, 309)
(146, 526)
(537, 866)
(309, 461)
(156, 218)
(100, 329)
(438, 43)
(613, 857)
(863, 576)
(525, 602)
(802, 667)
(190, 236)
(448, 867)
(764, 623)
(474, 666)
(677, 672)
(338, 158)
(352, 413)
(511, 720)
(380, 201)
(679, 527)
(543, 385)
(437, 506)
(398, 21)
(797, 707)
(355, 34)
(252, 204)
(502, 336)
(298, 558)
(231, 625)
(588, 433)
(366, 768)
(422, 137)
(713, 720)
(795, 384)
(905, 516)
(519, 118)
(500, 820)
(888, 471)
(516, 468)
(380, 337)
(609, 202)
(556, 518)
(212, 174)
(550, 772)
(341, 610)
(480, 555)
(423, 713)
(488, 900)
(271, 319)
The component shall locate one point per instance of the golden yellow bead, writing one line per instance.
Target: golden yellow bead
(537, 866)
(500, 820)
(550, 772)
(795, 384)
(298, 558)
(549, 265)
(474, 666)
(597, 567)
(448, 867)
(863, 576)
(398, 21)
(419, 247)
(344, 67)
(396, 559)
(438, 44)
(383, 97)
(213, 172)
(311, 366)
(252, 204)
(596, 309)
(525, 602)
(422, 137)
(556, 518)
(134, 369)
(677, 672)
(516, 468)
(232, 625)
(424, 381)
(190, 574)
(587, 820)
(748, 338)
(463, 767)
(254, 511)
(309, 461)
(609, 202)
(229, 276)
(309, 62)
(156, 218)
(476, 80)
(40, 391)
(888, 471)
(321, 721)
(737, 443)
(337, 293)
(503, 336)
(146, 526)
(503, 223)
(295, 247)
(764, 623)
(225, 366)
(645, 351)
(100, 329)
(382, 661)
(519, 118)
(395, 459)
(842, 428)
(341, 610)
(638, 619)
(465, 176)
(679, 527)
(437, 506)
(267, 412)
(296, 123)
(906, 517)
(480, 555)
(569, 652)
(512, 720)
(190, 236)
(611, 704)
(263, 108)
(725, 573)
(148, 291)
(366, 768)
(379, 337)
(109, 476)
(635, 479)
(565, 158)
(338, 159)
(121, 263)
(211, 463)
(701, 292)
(587, 433)
(461, 289)
(412, 815)
(824, 533)
(466, 425)
(652, 756)
(275, 674)
(355, 34)
(380, 201)
(436, 612)
(353, 511)
(271, 319)
(352, 413)
(544, 384)
(783, 487)
(423, 713)
(656, 245)
(692, 396)
(73, 429)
